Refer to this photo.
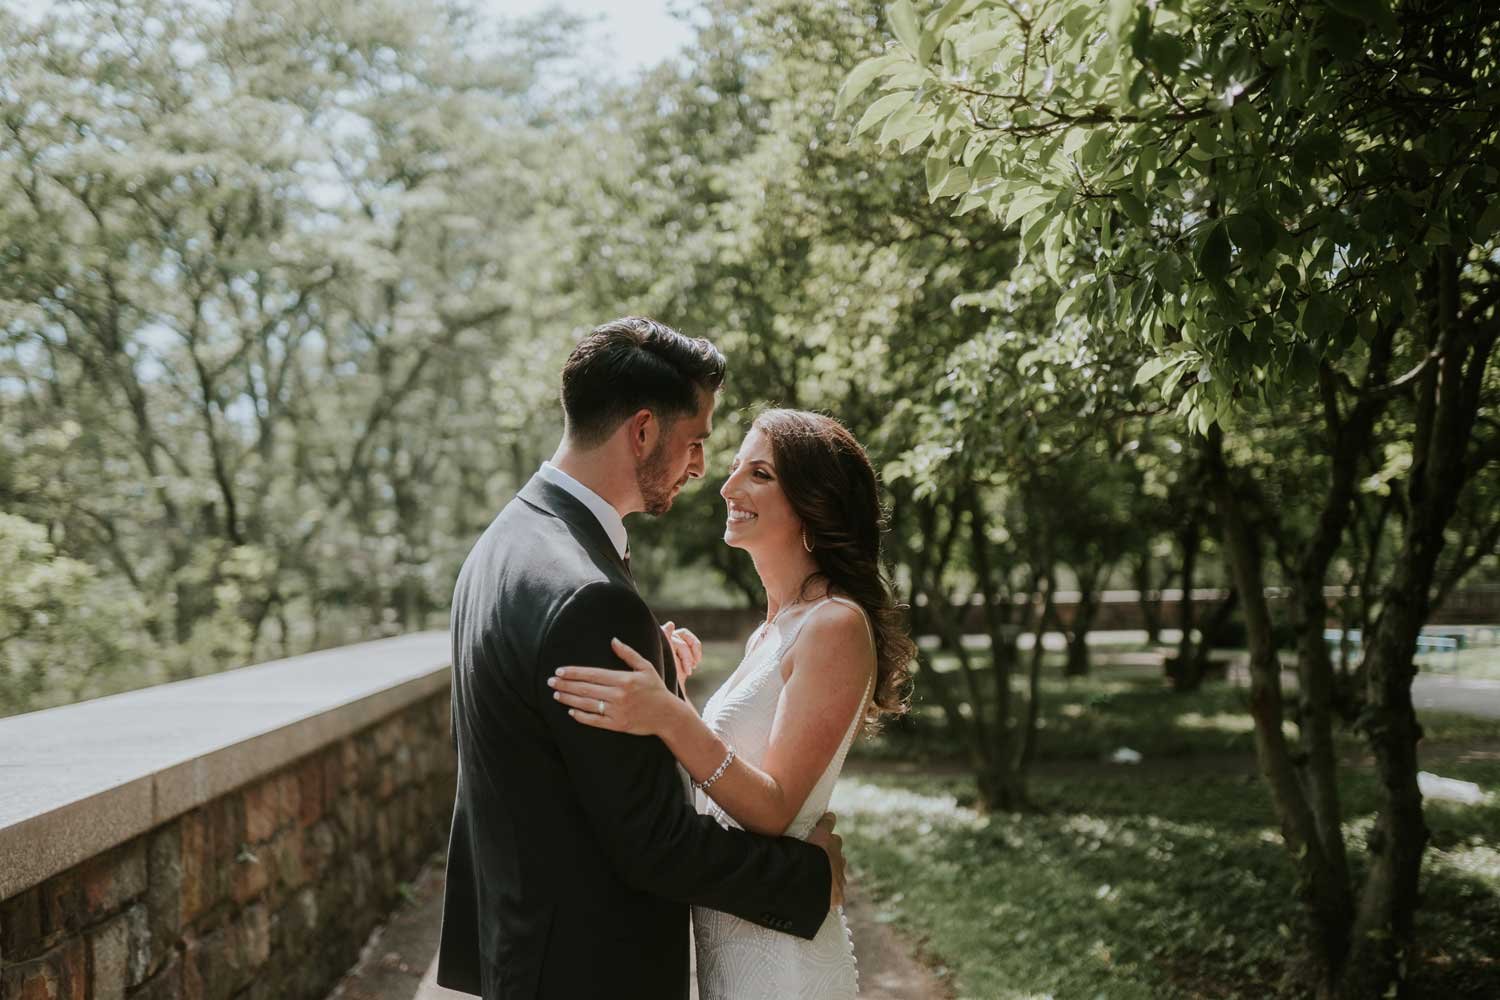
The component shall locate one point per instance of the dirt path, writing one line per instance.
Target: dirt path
(399, 962)
(889, 968)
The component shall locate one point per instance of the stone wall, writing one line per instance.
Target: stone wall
(266, 892)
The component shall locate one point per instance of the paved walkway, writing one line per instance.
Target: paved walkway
(1465, 696)
(1433, 692)
(399, 962)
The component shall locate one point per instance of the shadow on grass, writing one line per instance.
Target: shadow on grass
(1163, 880)
(1088, 718)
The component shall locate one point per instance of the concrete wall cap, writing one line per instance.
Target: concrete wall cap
(80, 779)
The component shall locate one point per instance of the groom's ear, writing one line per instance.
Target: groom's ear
(644, 430)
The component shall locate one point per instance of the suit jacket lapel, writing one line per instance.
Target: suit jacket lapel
(558, 502)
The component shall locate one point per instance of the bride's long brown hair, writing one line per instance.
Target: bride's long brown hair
(833, 489)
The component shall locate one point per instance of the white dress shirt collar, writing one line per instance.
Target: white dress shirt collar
(609, 518)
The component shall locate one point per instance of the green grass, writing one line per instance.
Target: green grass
(1088, 718)
(1164, 879)
(1160, 880)
(1146, 886)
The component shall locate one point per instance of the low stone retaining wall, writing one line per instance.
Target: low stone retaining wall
(241, 836)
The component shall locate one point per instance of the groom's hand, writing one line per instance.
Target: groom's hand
(823, 836)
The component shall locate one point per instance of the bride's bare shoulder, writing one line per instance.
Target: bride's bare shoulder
(836, 637)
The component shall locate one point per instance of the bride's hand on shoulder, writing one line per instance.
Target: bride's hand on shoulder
(631, 701)
(687, 650)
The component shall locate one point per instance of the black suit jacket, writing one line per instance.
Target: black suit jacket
(575, 851)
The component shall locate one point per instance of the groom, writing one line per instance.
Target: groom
(575, 851)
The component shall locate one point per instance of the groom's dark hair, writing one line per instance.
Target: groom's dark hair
(631, 364)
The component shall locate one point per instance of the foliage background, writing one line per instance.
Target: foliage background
(1143, 295)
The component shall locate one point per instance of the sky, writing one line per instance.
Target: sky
(640, 32)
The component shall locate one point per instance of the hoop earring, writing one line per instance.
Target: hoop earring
(804, 541)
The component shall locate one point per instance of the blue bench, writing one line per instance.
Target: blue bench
(1427, 642)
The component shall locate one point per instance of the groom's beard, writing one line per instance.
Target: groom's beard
(655, 482)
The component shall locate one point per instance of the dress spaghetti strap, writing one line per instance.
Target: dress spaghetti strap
(863, 614)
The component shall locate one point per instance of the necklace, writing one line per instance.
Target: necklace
(765, 626)
(779, 611)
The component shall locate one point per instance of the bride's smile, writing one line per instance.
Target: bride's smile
(759, 513)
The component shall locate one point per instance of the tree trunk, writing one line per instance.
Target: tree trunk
(1183, 668)
(1148, 598)
(1078, 663)
(1448, 402)
(1323, 882)
(1003, 786)
(1003, 789)
(1034, 677)
(1210, 636)
(1384, 921)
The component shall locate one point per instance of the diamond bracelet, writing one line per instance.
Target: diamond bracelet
(703, 785)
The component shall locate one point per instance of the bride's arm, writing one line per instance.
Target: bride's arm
(830, 668)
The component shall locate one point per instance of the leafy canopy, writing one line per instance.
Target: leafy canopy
(1251, 187)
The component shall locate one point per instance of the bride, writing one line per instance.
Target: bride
(832, 655)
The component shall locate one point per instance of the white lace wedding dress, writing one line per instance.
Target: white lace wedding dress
(738, 960)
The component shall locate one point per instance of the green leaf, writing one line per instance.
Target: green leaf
(1074, 140)
(1169, 272)
(860, 78)
(935, 168)
(1489, 222)
(898, 124)
(926, 47)
(1031, 234)
(883, 108)
(1166, 51)
(904, 23)
(1025, 202)
(1141, 35)
(1213, 253)
(968, 203)
(1322, 316)
(986, 168)
(1069, 300)
(974, 147)
(947, 15)
(1092, 150)
(956, 182)
(1052, 240)
(1245, 230)
(1377, 12)
(914, 133)
(1151, 369)
(1134, 208)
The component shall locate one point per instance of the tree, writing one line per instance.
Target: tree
(274, 339)
(1294, 205)
(64, 631)
(1030, 416)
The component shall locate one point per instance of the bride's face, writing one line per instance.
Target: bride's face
(760, 516)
